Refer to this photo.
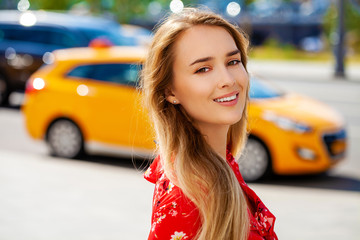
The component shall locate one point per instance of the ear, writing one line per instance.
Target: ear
(170, 96)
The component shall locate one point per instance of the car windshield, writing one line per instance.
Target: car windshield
(260, 89)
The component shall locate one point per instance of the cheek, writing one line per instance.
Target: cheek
(194, 97)
(192, 90)
(242, 79)
(245, 84)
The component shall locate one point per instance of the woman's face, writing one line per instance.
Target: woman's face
(209, 80)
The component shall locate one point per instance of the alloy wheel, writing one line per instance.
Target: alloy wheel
(65, 139)
(254, 163)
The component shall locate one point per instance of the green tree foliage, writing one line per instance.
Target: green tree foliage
(123, 10)
(51, 5)
(352, 20)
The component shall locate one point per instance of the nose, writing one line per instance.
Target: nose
(226, 79)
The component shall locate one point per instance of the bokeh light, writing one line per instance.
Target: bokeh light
(233, 9)
(48, 58)
(27, 19)
(23, 5)
(154, 8)
(38, 83)
(176, 6)
(82, 90)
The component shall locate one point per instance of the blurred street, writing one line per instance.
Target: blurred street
(103, 198)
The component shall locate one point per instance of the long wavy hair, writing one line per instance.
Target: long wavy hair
(187, 158)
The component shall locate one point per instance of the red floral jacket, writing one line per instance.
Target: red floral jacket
(175, 217)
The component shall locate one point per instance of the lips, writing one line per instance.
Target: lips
(227, 98)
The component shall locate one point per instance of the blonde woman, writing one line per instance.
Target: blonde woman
(195, 86)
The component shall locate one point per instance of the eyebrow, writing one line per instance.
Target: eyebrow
(232, 53)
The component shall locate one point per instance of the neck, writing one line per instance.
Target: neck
(216, 137)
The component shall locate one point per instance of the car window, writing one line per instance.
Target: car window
(112, 34)
(37, 35)
(260, 89)
(2, 35)
(62, 39)
(126, 74)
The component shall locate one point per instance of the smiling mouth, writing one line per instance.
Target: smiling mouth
(227, 99)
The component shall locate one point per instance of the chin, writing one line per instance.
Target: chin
(232, 120)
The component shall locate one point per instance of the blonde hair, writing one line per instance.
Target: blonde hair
(187, 158)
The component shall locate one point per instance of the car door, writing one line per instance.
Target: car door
(115, 115)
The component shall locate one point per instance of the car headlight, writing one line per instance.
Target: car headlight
(286, 123)
(306, 153)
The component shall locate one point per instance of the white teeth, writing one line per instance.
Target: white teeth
(226, 99)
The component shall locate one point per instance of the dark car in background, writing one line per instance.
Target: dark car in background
(28, 38)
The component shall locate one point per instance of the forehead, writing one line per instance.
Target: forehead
(203, 41)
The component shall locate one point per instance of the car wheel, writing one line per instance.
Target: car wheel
(254, 163)
(65, 139)
(4, 91)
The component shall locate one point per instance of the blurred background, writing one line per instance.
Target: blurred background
(308, 25)
(68, 72)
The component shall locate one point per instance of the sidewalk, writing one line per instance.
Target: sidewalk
(50, 198)
(301, 70)
(312, 214)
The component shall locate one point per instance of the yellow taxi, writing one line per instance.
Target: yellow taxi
(86, 101)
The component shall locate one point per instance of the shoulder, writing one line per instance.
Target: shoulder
(261, 219)
(174, 215)
(154, 171)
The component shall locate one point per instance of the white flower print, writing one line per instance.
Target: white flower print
(173, 212)
(147, 172)
(178, 236)
(169, 187)
(159, 219)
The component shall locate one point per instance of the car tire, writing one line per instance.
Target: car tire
(65, 139)
(4, 91)
(254, 163)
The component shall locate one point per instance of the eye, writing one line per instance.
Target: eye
(234, 62)
(202, 70)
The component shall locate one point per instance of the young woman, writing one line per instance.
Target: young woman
(195, 86)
